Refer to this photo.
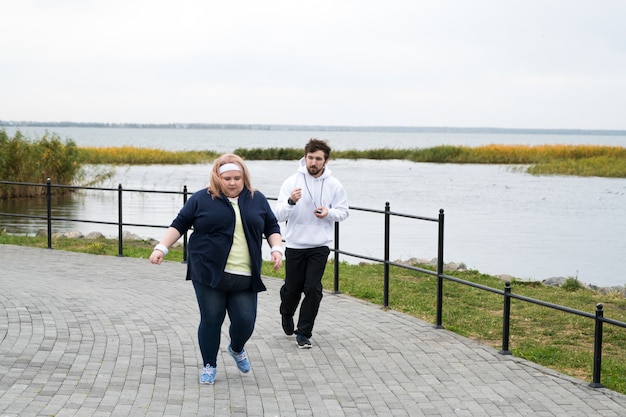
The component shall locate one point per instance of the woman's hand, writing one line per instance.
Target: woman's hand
(156, 257)
(276, 248)
(277, 259)
(160, 250)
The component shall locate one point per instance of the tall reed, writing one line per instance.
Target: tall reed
(581, 160)
(22, 160)
(267, 154)
(142, 156)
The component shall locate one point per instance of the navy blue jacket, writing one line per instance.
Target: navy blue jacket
(213, 222)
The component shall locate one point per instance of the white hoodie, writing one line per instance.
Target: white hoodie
(303, 229)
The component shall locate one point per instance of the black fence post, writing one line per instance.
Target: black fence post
(185, 235)
(120, 246)
(506, 319)
(439, 319)
(49, 211)
(336, 260)
(597, 348)
(386, 257)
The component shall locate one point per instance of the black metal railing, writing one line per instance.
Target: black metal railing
(506, 293)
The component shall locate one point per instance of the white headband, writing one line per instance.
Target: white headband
(229, 167)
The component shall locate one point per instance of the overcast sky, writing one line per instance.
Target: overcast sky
(458, 63)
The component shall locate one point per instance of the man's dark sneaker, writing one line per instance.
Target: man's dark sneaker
(288, 325)
(303, 341)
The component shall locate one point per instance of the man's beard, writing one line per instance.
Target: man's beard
(314, 170)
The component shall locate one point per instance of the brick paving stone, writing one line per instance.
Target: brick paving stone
(88, 335)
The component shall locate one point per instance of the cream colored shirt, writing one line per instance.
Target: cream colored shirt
(239, 258)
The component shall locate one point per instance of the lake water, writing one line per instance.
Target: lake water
(498, 220)
(227, 140)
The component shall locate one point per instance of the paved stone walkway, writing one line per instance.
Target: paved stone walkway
(86, 335)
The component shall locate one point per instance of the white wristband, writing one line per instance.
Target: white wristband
(162, 248)
(278, 249)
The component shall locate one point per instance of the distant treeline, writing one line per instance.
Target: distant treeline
(322, 128)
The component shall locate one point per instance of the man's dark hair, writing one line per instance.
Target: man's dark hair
(315, 145)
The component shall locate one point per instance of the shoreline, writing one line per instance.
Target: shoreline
(556, 281)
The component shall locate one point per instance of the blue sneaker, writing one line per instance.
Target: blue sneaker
(241, 359)
(208, 375)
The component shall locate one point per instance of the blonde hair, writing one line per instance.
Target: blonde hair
(215, 186)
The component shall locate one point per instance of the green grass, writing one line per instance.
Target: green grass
(557, 340)
(561, 341)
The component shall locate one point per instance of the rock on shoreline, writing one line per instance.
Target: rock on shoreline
(549, 282)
